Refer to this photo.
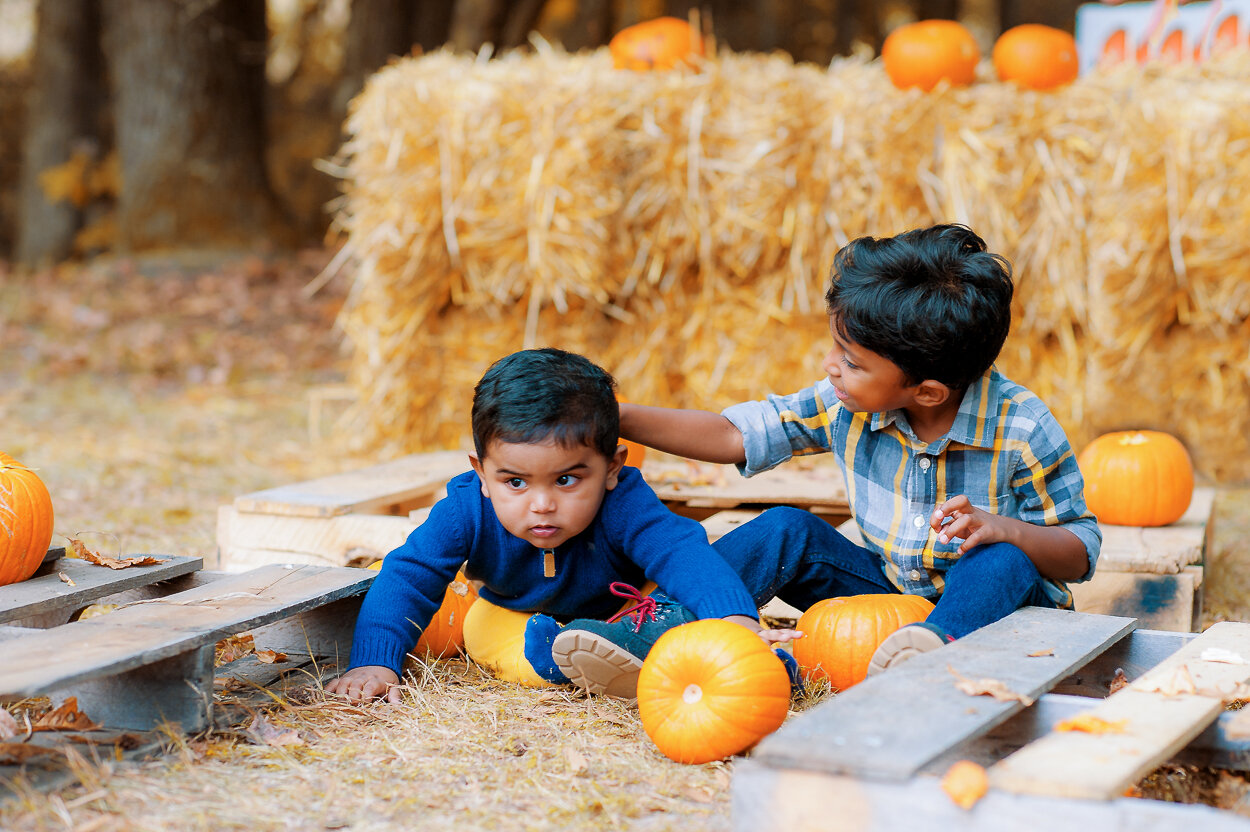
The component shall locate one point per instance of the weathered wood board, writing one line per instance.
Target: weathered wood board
(246, 540)
(48, 592)
(815, 483)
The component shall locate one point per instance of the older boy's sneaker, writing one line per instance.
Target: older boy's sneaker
(605, 656)
(905, 642)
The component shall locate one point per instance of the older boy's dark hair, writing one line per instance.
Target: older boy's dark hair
(535, 395)
(934, 301)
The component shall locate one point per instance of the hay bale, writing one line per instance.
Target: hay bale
(679, 227)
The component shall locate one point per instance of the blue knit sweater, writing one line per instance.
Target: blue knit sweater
(633, 538)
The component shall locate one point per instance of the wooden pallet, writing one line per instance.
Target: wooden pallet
(149, 662)
(872, 756)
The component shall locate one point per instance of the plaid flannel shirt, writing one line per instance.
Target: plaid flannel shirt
(1005, 451)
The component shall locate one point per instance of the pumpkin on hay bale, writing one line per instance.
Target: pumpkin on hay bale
(25, 521)
(926, 52)
(841, 634)
(657, 44)
(1137, 478)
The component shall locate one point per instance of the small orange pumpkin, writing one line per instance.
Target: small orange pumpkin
(1036, 56)
(25, 521)
(840, 634)
(635, 454)
(710, 689)
(923, 53)
(1137, 478)
(661, 43)
(444, 636)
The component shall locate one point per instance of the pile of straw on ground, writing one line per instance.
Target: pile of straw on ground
(678, 228)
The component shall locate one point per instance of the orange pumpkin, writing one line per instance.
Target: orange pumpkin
(635, 454)
(922, 54)
(445, 634)
(1137, 478)
(840, 634)
(25, 521)
(1035, 56)
(661, 43)
(710, 689)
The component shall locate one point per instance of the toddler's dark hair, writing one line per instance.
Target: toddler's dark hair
(933, 300)
(535, 395)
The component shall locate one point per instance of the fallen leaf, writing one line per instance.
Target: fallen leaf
(232, 648)
(1179, 683)
(987, 687)
(67, 717)
(1118, 681)
(66, 579)
(965, 782)
(270, 657)
(1049, 651)
(16, 753)
(264, 732)
(576, 760)
(1089, 724)
(83, 553)
(8, 725)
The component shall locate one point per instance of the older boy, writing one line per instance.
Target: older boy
(549, 520)
(962, 483)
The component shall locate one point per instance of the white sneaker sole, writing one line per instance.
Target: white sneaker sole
(596, 664)
(901, 645)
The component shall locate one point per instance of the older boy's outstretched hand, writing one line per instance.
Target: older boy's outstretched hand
(368, 682)
(774, 636)
(976, 526)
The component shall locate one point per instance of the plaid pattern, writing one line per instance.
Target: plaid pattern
(1005, 451)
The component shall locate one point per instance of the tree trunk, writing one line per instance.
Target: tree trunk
(431, 23)
(376, 30)
(188, 82)
(1058, 13)
(521, 20)
(475, 23)
(63, 115)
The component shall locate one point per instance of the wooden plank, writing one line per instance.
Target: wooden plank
(1156, 725)
(398, 484)
(48, 593)
(140, 635)
(1159, 602)
(1162, 549)
(891, 725)
(1134, 655)
(246, 540)
(814, 482)
(788, 799)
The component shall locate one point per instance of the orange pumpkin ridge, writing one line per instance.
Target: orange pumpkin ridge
(25, 521)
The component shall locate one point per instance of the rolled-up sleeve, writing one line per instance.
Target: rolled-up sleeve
(780, 427)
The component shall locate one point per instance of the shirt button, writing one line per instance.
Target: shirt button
(924, 463)
(914, 574)
(918, 520)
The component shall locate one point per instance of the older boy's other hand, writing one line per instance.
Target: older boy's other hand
(959, 518)
(369, 682)
(770, 636)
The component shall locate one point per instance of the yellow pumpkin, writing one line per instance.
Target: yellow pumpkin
(841, 634)
(25, 521)
(710, 689)
(1137, 478)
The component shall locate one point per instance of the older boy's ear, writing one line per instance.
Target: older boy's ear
(481, 477)
(930, 393)
(615, 464)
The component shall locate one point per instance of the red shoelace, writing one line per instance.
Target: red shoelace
(645, 605)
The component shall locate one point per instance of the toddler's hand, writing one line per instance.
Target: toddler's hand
(975, 526)
(368, 682)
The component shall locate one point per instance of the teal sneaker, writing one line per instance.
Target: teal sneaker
(905, 642)
(605, 656)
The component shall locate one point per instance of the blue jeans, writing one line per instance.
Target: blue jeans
(794, 555)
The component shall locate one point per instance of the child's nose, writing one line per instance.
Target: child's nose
(542, 501)
(830, 365)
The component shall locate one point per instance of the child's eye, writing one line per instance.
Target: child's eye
(849, 363)
(515, 483)
(566, 480)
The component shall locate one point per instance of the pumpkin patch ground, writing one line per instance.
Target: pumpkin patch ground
(145, 395)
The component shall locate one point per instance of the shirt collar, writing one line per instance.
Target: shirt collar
(974, 422)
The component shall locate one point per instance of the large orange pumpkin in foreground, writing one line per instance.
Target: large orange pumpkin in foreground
(25, 521)
(662, 43)
(840, 634)
(922, 54)
(1137, 478)
(1036, 56)
(445, 634)
(710, 689)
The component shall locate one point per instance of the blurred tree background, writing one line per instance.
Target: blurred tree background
(140, 125)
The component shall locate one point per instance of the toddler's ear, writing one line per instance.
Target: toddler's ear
(615, 464)
(481, 477)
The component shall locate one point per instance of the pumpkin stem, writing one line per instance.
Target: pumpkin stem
(692, 694)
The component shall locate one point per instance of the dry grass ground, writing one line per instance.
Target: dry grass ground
(148, 394)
